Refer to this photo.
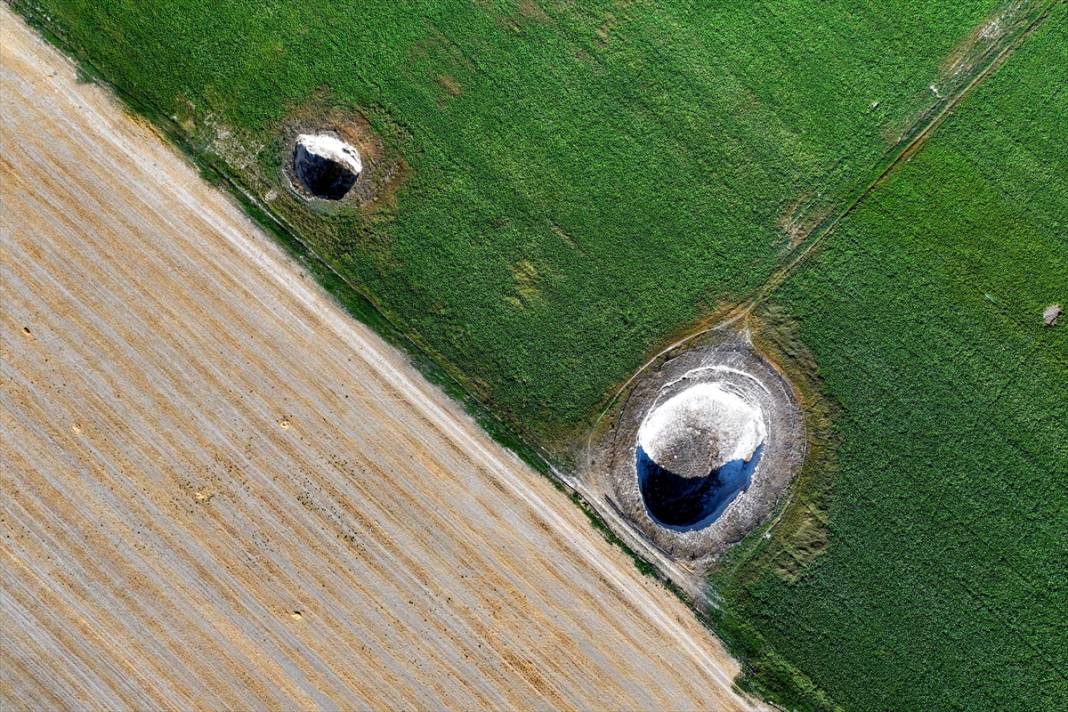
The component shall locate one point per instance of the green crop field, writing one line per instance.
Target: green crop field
(580, 182)
(585, 178)
(944, 585)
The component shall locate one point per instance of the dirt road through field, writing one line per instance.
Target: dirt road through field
(221, 492)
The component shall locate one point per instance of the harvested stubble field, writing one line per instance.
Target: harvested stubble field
(220, 492)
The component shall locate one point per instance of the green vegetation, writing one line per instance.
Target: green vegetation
(944, 583)
(583, 180)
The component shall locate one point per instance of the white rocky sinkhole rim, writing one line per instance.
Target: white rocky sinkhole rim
(731, 427)
(334, 149)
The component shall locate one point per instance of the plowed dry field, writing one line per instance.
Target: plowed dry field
(222, 492)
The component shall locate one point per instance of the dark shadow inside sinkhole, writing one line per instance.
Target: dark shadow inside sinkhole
(687, 503)
(321, 176)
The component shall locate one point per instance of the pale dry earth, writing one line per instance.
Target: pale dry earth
(221, 492)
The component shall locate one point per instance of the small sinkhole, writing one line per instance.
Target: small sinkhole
(326, 167)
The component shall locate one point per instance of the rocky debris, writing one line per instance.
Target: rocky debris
(326, 166)
(1051, 314)
(695, 453)
(701, 428)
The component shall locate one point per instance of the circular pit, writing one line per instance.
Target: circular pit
(704, 448)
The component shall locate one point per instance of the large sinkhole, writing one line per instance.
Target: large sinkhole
(325, 166)
(696, 454)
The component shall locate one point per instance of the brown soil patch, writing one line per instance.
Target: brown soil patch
(450, 84)
(720, 356)
(800, 531)
(802, 217)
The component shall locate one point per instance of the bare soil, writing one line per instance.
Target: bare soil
(383, 170)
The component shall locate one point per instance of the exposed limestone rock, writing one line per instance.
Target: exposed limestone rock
(326, 167)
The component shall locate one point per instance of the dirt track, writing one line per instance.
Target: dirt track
(220, 492)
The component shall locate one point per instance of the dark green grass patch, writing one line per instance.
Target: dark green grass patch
(945, 581)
